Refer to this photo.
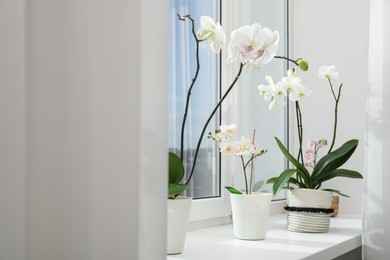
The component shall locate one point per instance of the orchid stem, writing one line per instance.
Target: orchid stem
(182, 18)
(209, 119)
(245, 178)
(251, 176)
(335, 116)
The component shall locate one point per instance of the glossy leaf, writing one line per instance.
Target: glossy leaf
(338, 173)
(176, 169)
(335, 159)
(281, 181)
(302, 170)
(233, 190)
(175, 189)
(337, 191)
(271, 180)
(258, 186)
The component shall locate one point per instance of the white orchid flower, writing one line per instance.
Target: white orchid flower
(228, 130)
(243, 147)
(255, 150)
(277, 102)
(266, 91)
(279, 91)
(226, 147)
(253, 45)
(328, 72)
(292, 84)
(212, 31)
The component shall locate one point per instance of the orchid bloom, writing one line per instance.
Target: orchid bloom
(254, 45)
(290, 85)
(266, 91)
(277, 102)
(227, 130)
(226, 147)
(310, 158)
(212, 31)
(328, 72)
(243, 146)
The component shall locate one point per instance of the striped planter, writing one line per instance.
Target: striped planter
(309, 210)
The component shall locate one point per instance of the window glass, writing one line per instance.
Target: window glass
(205, 94)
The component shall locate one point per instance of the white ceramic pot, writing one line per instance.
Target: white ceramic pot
(250, 215)
(178, 213)
(306, 210)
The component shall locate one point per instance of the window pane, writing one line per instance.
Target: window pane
(205, 93)
(253, 112)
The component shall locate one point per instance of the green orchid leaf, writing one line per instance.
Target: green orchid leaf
(257, 186)
(271, 180)
(281, 181)
(339, 173)
(335, 159)
(175, 189)
(337, 191)
(301, 169)
(288, 188)
(233, 190)
(176, 168)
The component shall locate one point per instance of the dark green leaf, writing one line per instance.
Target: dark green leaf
(271, 180)
(302, 170)
(338, 192)
(281, 181)
(233, 190)
(258, 186)
(175, 189)
(176, 168)
(335, 159)
(339, 173)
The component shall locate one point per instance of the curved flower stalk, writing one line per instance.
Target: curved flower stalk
(242, 148)
(214, 33)
(328, 166)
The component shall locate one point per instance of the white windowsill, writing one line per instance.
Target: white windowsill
(219, 243)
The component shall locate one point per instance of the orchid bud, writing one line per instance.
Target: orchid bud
(303, 64)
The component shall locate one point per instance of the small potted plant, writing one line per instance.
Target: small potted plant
(309, 206)
(250, 209)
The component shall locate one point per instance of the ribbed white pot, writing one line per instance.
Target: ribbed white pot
(178, 213)
(306, 221)
(250, 215)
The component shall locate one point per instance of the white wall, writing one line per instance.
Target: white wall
(335, 32)
(83, 139)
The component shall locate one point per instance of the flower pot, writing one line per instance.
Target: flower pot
(308, 210)
(178, 213)
(250, 215)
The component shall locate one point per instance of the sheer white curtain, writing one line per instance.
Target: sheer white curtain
(376, 180)
(204, 95)
(83, 129)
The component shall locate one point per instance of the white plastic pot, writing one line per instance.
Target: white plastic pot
(250, 215)
(178, 213)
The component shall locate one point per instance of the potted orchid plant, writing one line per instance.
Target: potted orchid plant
(304, 180)
(241, 148)
(250, 210)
